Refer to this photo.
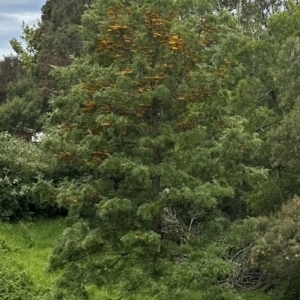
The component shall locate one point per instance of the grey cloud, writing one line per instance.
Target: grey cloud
(12, 13)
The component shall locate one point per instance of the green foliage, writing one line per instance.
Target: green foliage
(283, 138)
(254, 96)
(264, 72)
(58, 33)
(145, 125)
(23, 109)
(161, 128)
(24, 249)
(285, 142)
(49, 44)
(255, 13)
(20, 163)
(257, 296)
(10, 68)
(278, 250)
(15, 284)
(285, 24)
(27, 54)
(268, 196)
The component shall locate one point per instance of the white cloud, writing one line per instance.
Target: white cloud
(13, 2)
(12, 14)
(12, 22)
(5, 50)
(27, 17)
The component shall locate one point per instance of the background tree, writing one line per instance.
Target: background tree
(10, 68)
(49, 44)
(57, 38)
(282, 133)
(263, 75)
(253, 13)
(23, 112)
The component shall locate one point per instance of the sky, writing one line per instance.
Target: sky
(12, 13)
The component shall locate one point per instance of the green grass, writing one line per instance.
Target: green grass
(29, 244)
(256, 296)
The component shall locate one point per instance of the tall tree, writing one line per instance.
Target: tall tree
(253, 13)
(49, 44)
(146, 120)
(283, 135)
(57, 38)
(264, 74)
(22, 113)
(10, 68)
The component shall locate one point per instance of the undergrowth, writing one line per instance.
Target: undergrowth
(24, 251)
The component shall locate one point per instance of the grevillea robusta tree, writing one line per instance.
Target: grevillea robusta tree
(145, 126)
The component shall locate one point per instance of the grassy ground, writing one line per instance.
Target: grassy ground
(28, 245)
(256, 296)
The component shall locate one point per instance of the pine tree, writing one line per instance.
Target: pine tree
(144, 123)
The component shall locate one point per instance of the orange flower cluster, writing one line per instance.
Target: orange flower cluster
(138, 112)
(113, 12)
(106, 45)
(222, 69)
(91, 88)
(117, 27)
(106, 123)
(194, 97)
(105, 109)
(120, 44)
(176, 43)
(206, 41)
(126, 71)
(157, 25)
(89, 106)
(156, 78)
(154, 20)
(102, 153)
(66, 155)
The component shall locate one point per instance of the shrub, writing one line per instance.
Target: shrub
(21, 163)
(278, 249)
(15, 284)
(268, 196)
